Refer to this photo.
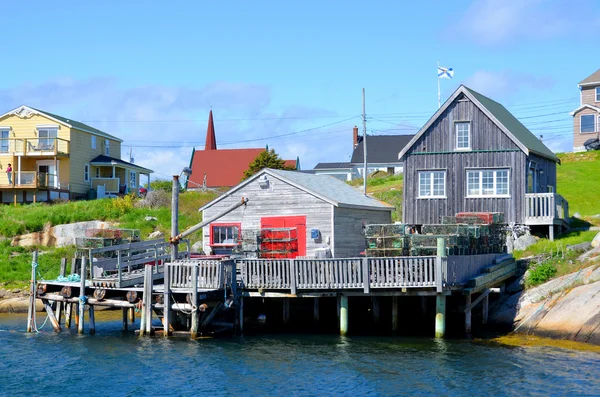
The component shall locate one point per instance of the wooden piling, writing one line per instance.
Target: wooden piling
(131, 315)
(75, 313)
(241, 315)
(484, 317)
(32, 295)
(195, 312)
(60, 305)
(82, 297)
(440, 315)
(468, 315)
(51, 316)
(125, 323)
(375, 308)
(316, 309)
(167, 302)
(143, 303)
(343, 315)
(92, 319)
(286, 310)
(68, 312)
(395, 313)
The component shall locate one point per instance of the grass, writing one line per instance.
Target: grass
(578, 182)
(544, 246)
(387, 188)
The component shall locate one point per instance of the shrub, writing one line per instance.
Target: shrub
(155, 199)
(540, 273)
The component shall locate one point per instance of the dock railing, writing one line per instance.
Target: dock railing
(194, 274)
(544, 208)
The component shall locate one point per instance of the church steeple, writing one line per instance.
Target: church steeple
(211, 140)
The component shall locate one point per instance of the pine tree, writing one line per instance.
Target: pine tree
(266, 159)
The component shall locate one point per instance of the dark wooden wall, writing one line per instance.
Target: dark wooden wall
(490, 148)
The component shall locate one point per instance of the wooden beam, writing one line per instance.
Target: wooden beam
(92, 320)
(394, 314)
(286, 310)
(316, 309)
(484, 317)
(440, 316)
(483, 295)
(468, 315)
(51, 316)
(343, 309)
(375, 306)
(211, 315)
(125, 322)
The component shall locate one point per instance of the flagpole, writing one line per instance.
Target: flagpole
(438, 78)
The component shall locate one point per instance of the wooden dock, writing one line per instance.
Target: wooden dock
(207, 296)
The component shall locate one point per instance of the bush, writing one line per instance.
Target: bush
(540, 273)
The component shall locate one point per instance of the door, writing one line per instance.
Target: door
(48, 172)
(298, 222)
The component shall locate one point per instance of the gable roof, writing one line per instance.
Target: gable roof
(107, 160)
(325, 187)
(223, 167)
(503, 119)
(332, 166)
(585, 105)
(62, 120)
(381, 149)
(593, 78)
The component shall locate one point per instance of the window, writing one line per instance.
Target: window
(132, 179)
(86, 172)
(588, 123)
(107, 147)
(463, 135)
(224, 233)
(481, 183)
(47, 137)
(93, 141)
(4, 142)
(597, 94)
(432, 184)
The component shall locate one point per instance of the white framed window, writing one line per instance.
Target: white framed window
(4, 140)
(46, 137)
(463, 135)
(432, 184)
(132, 179)
(486, 183)
(597, 94)
(93, 141)
(86, 172)
(587, 123)
(107, 147)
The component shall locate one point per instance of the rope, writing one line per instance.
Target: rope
(83, 299)
(69, 278)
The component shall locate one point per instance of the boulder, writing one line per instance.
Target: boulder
(58, 236)
(197, 247)
(596, 241)
(156, 235)
(150, 218)
(523, 242)
(576, 215)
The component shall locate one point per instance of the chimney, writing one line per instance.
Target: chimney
(355, 135)
(211, 140)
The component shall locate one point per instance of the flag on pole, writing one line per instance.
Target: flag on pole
(445, 73)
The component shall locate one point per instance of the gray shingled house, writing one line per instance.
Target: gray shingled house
(473, 155)
(318, 215)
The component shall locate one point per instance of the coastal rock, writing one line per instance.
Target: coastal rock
(18, 305)
(59, 235)
(150, 218)
(523, 242)
(517, 285)
(576, 215)
(156, 235)
(596, 241)
(197, 247)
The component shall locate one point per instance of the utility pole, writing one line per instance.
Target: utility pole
(364, 117)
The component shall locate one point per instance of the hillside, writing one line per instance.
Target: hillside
(578, 182)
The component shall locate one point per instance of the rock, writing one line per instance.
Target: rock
(576, 215)
(150, 218)
(19, 305)
(155, 235)
(580, 247)
(595, 216)
(58, 236)
(510, 245)
(517, 285)
(524, 241)
(596, 241)
(197, 247)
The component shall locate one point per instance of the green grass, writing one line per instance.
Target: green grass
(578, 182)
(387, 188)
(544, 246)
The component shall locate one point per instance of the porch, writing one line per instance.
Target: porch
(112, 176)
(546, 209)
(32, 180)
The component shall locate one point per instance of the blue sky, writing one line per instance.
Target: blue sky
(290, 74)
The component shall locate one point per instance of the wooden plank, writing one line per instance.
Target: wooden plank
(487, 277)
(366, 282)
(498, 265)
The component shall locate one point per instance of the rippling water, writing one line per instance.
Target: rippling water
(113, 364)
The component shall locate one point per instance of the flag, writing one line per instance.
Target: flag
(445, 73)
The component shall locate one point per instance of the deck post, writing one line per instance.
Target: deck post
(144, 299)
(60, 305)
(68, 312)
(375, 303)
(167, 299)
(293, 272)
(468, 315)
(484, 317)
(51, 316)
(441, 252)
(125, 324)
(343, 305)
(195, 311)
(395, 313)
(131, 315)
(366, 275)
(440, 315)
(286, 310)
(119, 269)
(316, 309)
(551, 232)
(148, 301)
(82, 297)
(92, 320)
(32, 294)
(241, 314)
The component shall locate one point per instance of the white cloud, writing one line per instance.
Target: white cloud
(163, 123)
(500, 21)
(505, 83)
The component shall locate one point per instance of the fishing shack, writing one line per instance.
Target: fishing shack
(292, 214)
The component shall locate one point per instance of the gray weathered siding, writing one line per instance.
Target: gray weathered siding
(279, 199)
(348, 229)
(500, 152)
(547, 176)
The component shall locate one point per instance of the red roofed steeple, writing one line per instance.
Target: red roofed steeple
(211, 140)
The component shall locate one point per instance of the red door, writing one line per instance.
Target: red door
(299, 222)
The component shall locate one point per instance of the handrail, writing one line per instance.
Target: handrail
(544, 206)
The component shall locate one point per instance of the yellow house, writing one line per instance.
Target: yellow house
(52, 157)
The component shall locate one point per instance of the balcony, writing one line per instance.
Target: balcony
(545, 209)
(32, 180)
(34, 147)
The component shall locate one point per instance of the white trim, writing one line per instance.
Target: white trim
(93, 143)
(4, 128)
(431, 184)
(461, 90)
(597, 91)
(89, 170)
(50, 163)
(589, 84)
(495, 183)
(580, 124)
(587, 105)
(47, 127)
(468, 123)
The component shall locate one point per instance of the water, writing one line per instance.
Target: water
(115, 364)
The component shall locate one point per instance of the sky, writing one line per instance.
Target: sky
(290, 74)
